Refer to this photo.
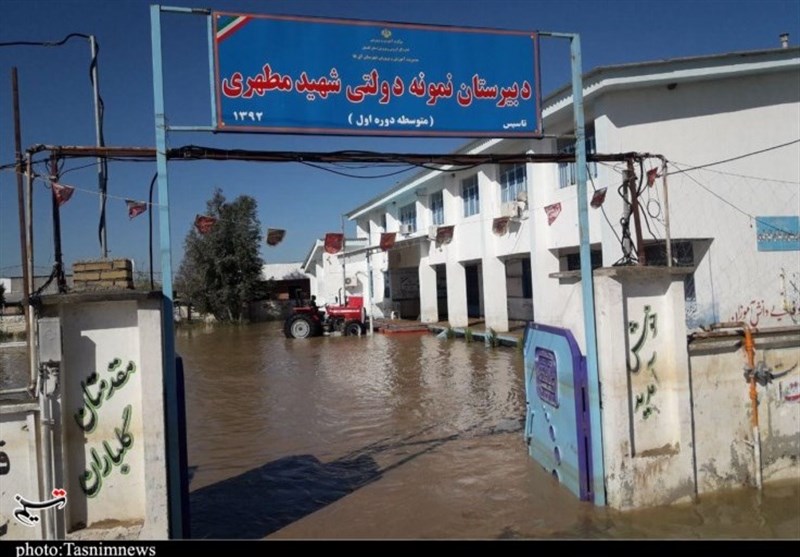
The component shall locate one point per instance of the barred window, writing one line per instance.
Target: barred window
(408, 216)
(437, 208)
(567, 171)
(512, 181)
(469, 193)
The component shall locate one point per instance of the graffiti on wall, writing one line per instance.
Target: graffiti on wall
(787, 308)
(792, 392)
(96, 390)
(642, 356)
(5, 462)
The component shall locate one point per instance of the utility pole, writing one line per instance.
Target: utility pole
(631, 178)
(101, 164)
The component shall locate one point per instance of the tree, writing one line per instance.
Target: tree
(221, 269)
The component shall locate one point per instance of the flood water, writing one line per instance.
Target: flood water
(399, 437)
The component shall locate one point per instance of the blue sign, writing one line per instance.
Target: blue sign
(778, 233)
(323, 76)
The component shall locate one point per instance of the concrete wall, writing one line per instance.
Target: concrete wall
(19, 423)
(645, 401)
(111, 411)
(722, 409)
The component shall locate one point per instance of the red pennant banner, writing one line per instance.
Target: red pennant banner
(652, 174)
(204, 223)
(387, 240)
(500, 225)
(334, 242)
(135, 208)
(62, 192)
(552, 212)
(275, 236)
(599, 197)
(444, 234)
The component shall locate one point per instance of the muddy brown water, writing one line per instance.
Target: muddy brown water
(399, 437)
(395, 437)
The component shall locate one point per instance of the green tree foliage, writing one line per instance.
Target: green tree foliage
(221, 270)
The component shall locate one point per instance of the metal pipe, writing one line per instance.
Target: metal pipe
(750, 351)
(46, 433)
(178, 498)
(667, 234)
(750, 354)
(597, 468)
(31, 327)
(23, 241)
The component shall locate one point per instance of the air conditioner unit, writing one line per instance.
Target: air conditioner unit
(406, 229)
(511, 209)
(350, 281)
(432, 230)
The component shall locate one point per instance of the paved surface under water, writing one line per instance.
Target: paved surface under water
(403, 436)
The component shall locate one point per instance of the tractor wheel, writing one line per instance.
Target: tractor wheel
(353, 328)
(300, 326)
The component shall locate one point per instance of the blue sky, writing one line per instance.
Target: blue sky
(56, 104)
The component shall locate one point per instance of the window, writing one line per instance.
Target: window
(469, 193)
(574, 260)
(408, 216)
(437, 208)
(512, 181)
(383, 222)
(567, 172)
(387, 293)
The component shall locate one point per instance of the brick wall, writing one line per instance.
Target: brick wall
(109, 274)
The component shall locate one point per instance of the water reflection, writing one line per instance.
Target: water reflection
(397, 437)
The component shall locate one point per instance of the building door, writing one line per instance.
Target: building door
(473, 290)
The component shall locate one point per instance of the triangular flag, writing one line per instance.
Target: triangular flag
(552, 212)
(599, 197)
(387, 240)
(500, 225)
(334, 242)
(62, 192)
(652, 174)
(135, 208)
(204, 223)
(275, 236)
(444, 234)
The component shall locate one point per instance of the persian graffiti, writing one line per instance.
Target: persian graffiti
(96, 390)
(640, 353)
(93, 402)
(792, 393)
(788, 308)
(92, 480)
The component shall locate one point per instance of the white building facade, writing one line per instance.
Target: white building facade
(735, 116)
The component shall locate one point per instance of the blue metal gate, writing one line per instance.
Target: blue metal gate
(557, 425)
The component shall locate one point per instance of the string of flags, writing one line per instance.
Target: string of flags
(202, 223)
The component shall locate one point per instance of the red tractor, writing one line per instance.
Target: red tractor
(310, 321)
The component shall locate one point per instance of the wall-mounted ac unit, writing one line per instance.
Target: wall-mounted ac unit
(350, 281)
(406, 229)
(511, 209)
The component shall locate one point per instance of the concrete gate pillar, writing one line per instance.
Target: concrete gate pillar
(456, 294)
(428, 301)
